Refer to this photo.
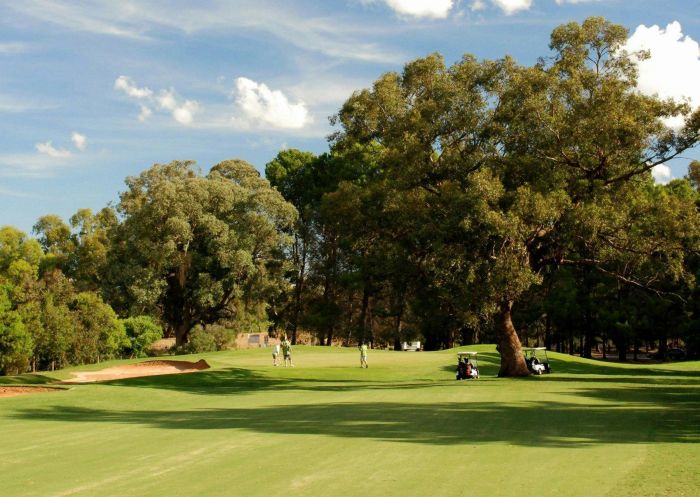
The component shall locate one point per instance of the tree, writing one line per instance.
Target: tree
(98, 332)
(291, 172)
(550, 166)
(16, 245)
(196, 249)
(15, 342)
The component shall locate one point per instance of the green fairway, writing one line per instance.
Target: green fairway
(403, 427)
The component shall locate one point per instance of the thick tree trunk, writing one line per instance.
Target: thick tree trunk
(182, 333)
(508, 344)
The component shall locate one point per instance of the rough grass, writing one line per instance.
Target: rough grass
(404, 427)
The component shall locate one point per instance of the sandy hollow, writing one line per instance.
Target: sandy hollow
(148, 368)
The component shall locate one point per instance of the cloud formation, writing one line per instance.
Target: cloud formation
(281, 20)
(512, 6)
(661, 173)
(261, 105)
(432, 9)
(79, 140)
(181, 111)
(125, 84)
(48, 149)
(673, 70)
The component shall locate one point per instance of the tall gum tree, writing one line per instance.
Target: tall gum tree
(197, 249)
(551, 164)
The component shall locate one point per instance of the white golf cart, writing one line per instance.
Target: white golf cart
(537, 360)
(467, 366)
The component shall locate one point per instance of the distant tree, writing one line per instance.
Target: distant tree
(196, 249)
(291, 173)
(98, 333)
(16, 245)
(15, 341)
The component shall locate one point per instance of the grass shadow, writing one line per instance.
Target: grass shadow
(633, 416)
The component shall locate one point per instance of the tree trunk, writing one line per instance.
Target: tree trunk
(508, 344)
(182, 333)
(362, 324)
(298, 289)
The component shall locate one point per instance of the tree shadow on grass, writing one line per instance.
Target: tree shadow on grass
(242, 381)
(26, 379)
(633, 416)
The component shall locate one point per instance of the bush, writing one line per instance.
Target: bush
(142, 331)
(15, 344)
(208, 339)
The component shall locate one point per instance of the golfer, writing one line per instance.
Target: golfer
(275, 355)
(363, 355)
(287, 351)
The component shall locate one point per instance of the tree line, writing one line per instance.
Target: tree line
(484, 201)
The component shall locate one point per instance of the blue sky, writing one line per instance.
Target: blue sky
(94, 91)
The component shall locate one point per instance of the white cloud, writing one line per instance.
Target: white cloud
(125, 84)
(673, 70)
(433, 9)
(661, 173)
(336, 37)
(182, 113)
(80, 141)
(145, 113)
(261, 105)
(512, 6)
(477, 6)
(167, 100)
(48, 149)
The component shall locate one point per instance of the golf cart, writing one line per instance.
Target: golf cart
(536, 359)
(467, 366)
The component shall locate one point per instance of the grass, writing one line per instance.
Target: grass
(404, 427)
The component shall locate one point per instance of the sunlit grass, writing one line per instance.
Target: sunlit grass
(326, 427)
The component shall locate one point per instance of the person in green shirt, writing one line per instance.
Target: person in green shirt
(363, 355)
(287, 352)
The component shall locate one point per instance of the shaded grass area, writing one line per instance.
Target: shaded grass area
(403, 427)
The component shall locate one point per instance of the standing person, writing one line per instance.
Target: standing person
(276, 354)
(363, 355)
(287, 351)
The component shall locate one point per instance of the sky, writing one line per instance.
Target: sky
(93, 91)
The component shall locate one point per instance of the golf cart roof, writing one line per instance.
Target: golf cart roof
(466, 354)
(534, 348)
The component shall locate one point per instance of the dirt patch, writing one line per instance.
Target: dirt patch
(148, 368)
(13, 391)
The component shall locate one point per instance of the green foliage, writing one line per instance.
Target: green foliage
(14, 246)
(15, 342)
(195, 249)
(98, 333)
(209, 338)
(142, 332)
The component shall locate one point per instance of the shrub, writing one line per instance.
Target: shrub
(208, 339)
(142, 331)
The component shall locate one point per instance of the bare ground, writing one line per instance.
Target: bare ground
(13, 391)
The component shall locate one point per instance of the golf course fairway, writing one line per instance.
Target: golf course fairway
(403, 427)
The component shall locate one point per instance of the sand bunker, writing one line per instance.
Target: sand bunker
(148, 368)
(13, 391)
